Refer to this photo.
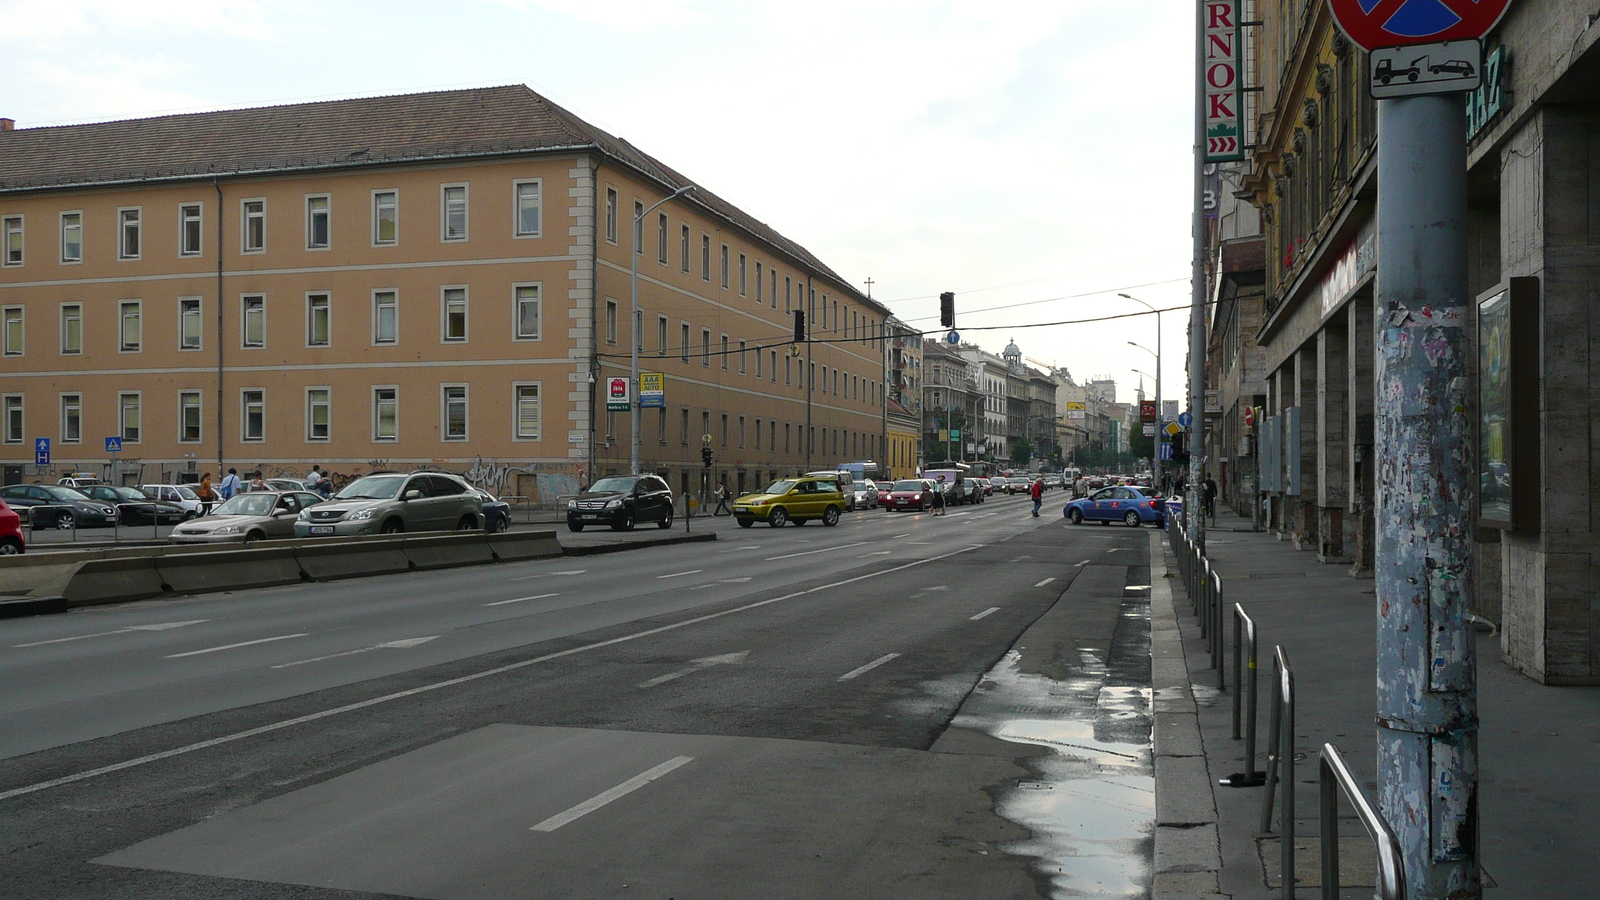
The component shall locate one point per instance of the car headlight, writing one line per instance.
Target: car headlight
(305, 515)
(227, 529)
(362, 514)
(108, 510)
(572, 504)
(614, 503)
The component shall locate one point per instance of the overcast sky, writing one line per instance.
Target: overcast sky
(1033, 157)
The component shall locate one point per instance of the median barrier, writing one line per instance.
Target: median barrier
(519, 545)
(444, 551)
(30, 605)
(351, 559)
(113, 581)
(226, 570)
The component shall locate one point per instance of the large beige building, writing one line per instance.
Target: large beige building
(434, 279)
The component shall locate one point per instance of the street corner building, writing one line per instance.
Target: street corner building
(1293, 263)
(438, 279)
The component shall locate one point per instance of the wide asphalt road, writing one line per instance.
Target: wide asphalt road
(902, 706)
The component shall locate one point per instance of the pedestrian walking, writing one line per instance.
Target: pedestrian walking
(1209, 503)
(938, 498)
(318, 482)
(230, 485)
(1037, 493)
(207, 495)
(258, 483)
(722, 500)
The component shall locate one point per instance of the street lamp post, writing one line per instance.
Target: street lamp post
(633, 369)
(1155, 464)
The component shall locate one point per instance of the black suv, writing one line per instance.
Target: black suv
(622, 501)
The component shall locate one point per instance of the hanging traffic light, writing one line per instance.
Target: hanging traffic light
(947, 309)
(799, 326)
(705, 456)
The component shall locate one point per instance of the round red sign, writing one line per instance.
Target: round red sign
(1373, 24)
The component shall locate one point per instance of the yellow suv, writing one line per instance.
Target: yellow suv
(796, 500)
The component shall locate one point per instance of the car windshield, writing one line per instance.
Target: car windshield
(128, 493)
(257, 504)
(64, 493)
(908, 485)
(187, 494)
(620, 484)
(780, 487)
(372, 487)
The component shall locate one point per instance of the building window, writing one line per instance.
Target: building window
(317, 211)
(724, 353)
(527, 312)
(454, 426)
(385, 218)
(188, 417)
(13, 240)
(661, 336)
(787, 426)
(661, 238)
(189, 229)
(386, 413)
(786, 294)
(189, 329)
(529, 208)
(683, 425)
(638, 227)
(705, 257)
(385, 317)
(611, 321)
(661, 425)
(72, 237)
(453, 210)
(743, 275)
(788, 366)
(774, 291)
(455, 315)
(773, 370)
(14, 424)
(758, 363)
(724, 435)
(254, 231)
(71, 418)
(128, 235)
(529, 412)
(253, 321)
(318, 320)
(13, 330)
(253, 415)
(758, 434)
(611, 215)
(318, 408)
(741, 432)
(131, 327)
(129, 417)
(71, 328)
(683, 341)
(683, 249)
(758, 281)
(742, 370)
(724, 266)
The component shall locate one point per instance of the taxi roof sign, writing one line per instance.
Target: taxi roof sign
(1374, 24)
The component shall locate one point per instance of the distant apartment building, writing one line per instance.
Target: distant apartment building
(437, 279)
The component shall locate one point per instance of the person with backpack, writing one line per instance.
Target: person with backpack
(230, 485)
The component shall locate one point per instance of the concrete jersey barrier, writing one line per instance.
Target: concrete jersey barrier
(227, 570)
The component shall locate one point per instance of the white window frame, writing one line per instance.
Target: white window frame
(244, 321)
(378, 209)
(705, 348)
(686, 238)
(61, 233)
(705, 257)
(517, 434)
(445, 401)
(8, 404)
(516, 310)
(445, 237)
(311, 222)
(200, 415)
(378, 437)
(311, 404)
(661, 238)
(724, 267)
(378, 307)
(123, 308)
(638, 228)
(724, 352)
(246, 401)
(122, 415)
(611, 321)
(62, 330)
(191, 307)
(7, 346)
(198, 217)
(122, 232)
(311, 318)
(517, 207)
(686, 335)
(743, 359)
(70, 400)
(445, 302)
(744, 275)
(611, 215)
(759, 298)
(246, 216)
(663, 328)
(9, 226)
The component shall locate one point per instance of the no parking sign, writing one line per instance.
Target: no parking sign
(1374, 24)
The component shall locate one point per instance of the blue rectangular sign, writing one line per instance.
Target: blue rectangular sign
(113, 445)
(1165, 451)
(41, 451)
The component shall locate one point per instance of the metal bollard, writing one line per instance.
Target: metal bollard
(1280, 766)
(1218, 649)
(1334, 776)
(1244, 683)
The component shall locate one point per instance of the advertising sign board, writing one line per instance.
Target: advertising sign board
(617, 396)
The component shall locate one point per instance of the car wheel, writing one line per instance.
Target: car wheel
(254, 536)
(187, 515)
(393, 526)
(778, 517)
(574, 526)
(1076, 515)
(624, 522)
(64, 521)
(1132, 518)
(10, 547)
(830, 516)
(502, 525)
(666, 520)
(746, 523)
(467, 523)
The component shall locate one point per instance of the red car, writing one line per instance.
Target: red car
(11, 541)
(911, 494)
(885, 488)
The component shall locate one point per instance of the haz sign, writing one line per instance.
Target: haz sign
(1224, 90)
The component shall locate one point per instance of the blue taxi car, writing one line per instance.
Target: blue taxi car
(1124, 503)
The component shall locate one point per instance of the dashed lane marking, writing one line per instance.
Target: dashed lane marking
(681, 574)
(992, 609)
(868, 667)
(1044, 582)
(521, 599)
(281, 637)
(621, 790)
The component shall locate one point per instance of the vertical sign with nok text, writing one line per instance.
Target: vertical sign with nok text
(1223, 86)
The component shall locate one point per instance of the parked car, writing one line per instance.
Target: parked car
(59, 507)
(846, 483)
(135, 507)
(866, 494)
(496, 512)
(392, 503)
(246, 518)
(994, 484)
(11, 540)
(80, 479)
(1129, 505)
(622, 501)
(282, 484)
(178, 495)
(911, 493)
(797, 500)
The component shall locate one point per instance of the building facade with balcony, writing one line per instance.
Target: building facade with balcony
(951, 406)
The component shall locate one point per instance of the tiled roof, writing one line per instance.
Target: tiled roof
(339, 134)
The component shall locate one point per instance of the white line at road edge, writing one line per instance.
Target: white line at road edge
(823, 550)
(621, 790)
(281, 637)
(520, 599)
(452, 682)
(992, 609)
(1044, 582)
(868, 667)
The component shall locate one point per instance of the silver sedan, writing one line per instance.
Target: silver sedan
(865, 495)
(246, 518)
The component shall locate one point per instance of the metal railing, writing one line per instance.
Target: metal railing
(1280, 766)
(1334, 776)
(53, 515)
(1245, 685)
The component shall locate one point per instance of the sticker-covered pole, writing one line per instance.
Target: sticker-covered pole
(1197, 304)
(1427, 724)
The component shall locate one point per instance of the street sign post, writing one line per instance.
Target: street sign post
(652, 390)
(1417, 69)
(114, 445)
(1375, 24)
(618, 398)
(1184, 419)
(41, 451)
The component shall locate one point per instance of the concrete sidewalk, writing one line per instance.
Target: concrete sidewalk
(1539, 746)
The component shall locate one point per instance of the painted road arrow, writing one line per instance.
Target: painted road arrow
(403, 644)
(726, 659)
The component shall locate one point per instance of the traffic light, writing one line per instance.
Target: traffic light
(799, 326)
(705, 456)
(947, 309)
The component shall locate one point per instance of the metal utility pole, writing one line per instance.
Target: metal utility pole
(635, 337)
(1196, 523)
(1156, 447)
(1427, 665)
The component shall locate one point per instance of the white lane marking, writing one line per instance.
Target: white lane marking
(938, 587)
(1084, 563)
(547, 574)
(742, 549)
(705, 662)
(876, 553)
(986, 515)
(1044, 582)
(681, 574)
(402, 644)
(1021, 558)
(160, 626)
(868, 667)
(734, 580)
(992, 609)
(452, 682)
(1137, 587)
(281, 637)
(895, 537)
(521, 599)
(920, 543)
(621, 790)
(823, 550)
(1115, 550)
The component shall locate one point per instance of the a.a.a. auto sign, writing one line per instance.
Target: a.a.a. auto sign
(1373, 24)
